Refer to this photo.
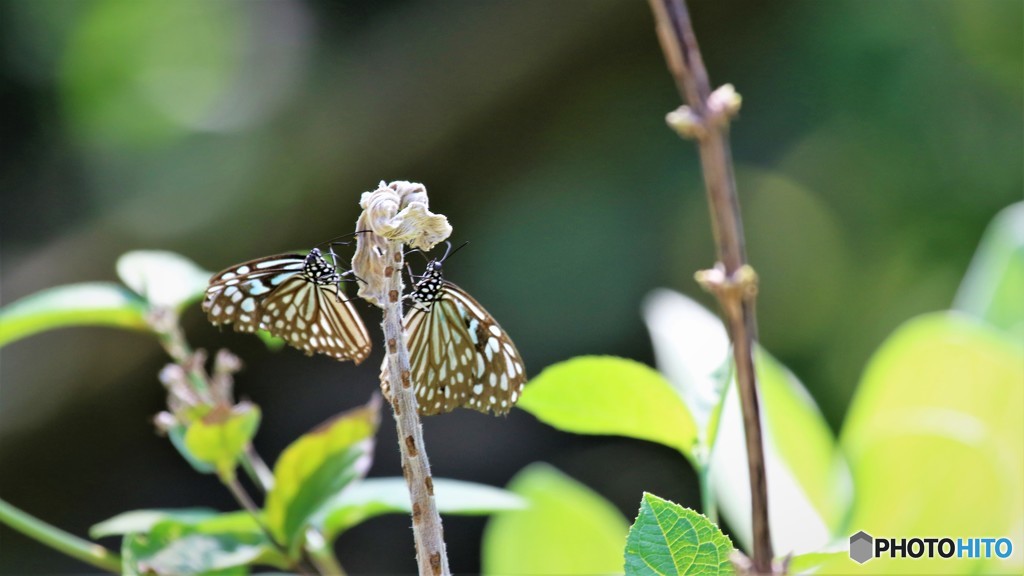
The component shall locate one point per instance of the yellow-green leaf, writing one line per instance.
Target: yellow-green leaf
(317, 467)
(993, 288)
(566, 529)
(935, 438)
(375, 496)
(220, 437)
(93, 304)
(609, 395)
(164, 279)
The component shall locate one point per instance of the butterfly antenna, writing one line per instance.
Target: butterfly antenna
(450, 252)
(334, 240)
(421, 252)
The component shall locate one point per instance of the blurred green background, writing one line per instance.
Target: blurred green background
(875, 143)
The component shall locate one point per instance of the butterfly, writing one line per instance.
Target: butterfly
(294, 297)
(459, 355)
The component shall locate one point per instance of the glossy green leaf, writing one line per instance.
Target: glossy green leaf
(935, 437)
(994, 286)
(609, 395)
(221, 544)
(220, 437)
(88, 304)
(567, 529)
(164, 279)
(376, 496)
(137, 521)
(314, 469)
(667, 539)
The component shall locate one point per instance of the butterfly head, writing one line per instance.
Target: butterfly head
(318, 270)
(428, 288)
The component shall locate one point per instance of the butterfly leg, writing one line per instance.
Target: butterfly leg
(342, 278)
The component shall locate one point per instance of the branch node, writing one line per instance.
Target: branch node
(686, 123)
(724, 104)
(740, 286)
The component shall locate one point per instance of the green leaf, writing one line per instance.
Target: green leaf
(669, 539)
(219, 545)
(608, 395)
(567, 529)
(164, 279)
(316, 468)
(809, 485)
(935, 437)
(993, 288)
(376, 496)
(93, 303)
(273, 343)
(176, 434)
(693, 352)
(809, 488)
(822, 563)
(220, 437)
(144, 520)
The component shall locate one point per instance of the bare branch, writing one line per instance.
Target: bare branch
(733, 282)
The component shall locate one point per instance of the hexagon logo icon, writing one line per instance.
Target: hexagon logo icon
(861, 545)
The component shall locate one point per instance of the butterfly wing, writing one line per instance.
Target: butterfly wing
(236, 294)
(273, 294)
(460, 356)
(310, 317)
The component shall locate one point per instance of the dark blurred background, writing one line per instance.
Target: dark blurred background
(875, 142)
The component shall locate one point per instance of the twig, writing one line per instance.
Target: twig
(257, 469)
(84, 550)
(426, 521)
(321, 554)
(732, 281)
(243, 498)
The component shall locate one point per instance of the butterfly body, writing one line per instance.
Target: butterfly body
(459, 355)
(294, 297)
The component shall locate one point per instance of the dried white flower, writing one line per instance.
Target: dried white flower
(396, 212)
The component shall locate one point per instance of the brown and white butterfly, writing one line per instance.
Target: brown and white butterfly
(294, 297)
(459, 355)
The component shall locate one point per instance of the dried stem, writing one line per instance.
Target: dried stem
(426, 521)
(732, 281)
(398, 214)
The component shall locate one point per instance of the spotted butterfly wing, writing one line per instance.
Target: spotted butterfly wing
(459, 355)
(294, 297)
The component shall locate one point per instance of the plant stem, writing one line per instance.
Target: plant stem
(257, 469)
(243, 498)
(736, 299)
(177, 347)
(322, 555)
(707, 498)
(428, 534)
(84, 550)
